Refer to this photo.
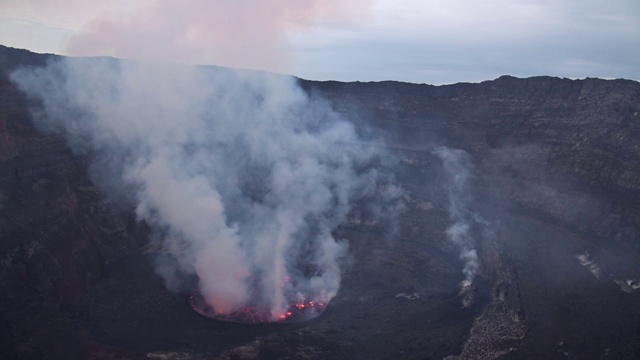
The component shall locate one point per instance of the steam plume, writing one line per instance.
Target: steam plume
(247, 34)
(241, 174)
(458, 167)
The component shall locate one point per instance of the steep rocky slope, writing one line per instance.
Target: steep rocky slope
(557, 174)
(58, 233)
(540, 131)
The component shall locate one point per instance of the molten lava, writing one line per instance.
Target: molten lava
(297, 312)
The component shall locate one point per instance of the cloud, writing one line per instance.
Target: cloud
(444, 42)
(246, 34)
(432, 41)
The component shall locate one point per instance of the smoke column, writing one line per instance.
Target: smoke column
(240, 174)
(249, 34)
(458, 167)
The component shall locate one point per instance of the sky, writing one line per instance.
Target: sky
(420, 41)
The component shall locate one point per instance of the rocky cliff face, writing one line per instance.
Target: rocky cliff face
(58, 233)
(556, 174)
(539, 131)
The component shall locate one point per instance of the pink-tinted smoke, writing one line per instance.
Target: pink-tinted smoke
(239, 33)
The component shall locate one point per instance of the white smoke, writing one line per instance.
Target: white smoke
(242, 175)
(457, 165)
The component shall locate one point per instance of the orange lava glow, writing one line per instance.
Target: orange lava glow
(297, 312)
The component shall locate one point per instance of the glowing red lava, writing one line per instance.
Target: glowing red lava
(297, 312)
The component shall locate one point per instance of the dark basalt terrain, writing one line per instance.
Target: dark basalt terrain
(555, 178)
